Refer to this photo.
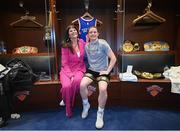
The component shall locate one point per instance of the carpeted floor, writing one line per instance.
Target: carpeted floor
(116, 118)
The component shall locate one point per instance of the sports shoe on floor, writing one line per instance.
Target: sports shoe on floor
(62, 103)
(15, 116)
(99, 120)
(86, 108)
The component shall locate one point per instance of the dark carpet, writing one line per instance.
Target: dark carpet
(116, 118)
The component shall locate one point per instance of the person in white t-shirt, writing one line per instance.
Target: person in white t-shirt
(98, 53)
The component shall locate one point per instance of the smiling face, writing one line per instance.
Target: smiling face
(73, 33)
(93, 34)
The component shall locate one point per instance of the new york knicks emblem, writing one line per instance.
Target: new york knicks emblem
(154, 90)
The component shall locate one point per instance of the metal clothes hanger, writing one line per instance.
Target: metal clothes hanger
(86, 15)
(24, 19)
(149, 15)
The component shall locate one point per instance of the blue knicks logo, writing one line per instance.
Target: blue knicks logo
(154, 90)
(84, 30)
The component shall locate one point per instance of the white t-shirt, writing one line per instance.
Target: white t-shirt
(97, 54)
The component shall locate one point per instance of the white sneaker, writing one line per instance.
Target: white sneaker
(15, 116)
(86, 108)
(62, 103)
(99, 120)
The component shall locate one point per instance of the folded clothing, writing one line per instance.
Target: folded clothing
(174, 75)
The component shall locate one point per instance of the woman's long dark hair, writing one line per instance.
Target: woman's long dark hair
(67, 41)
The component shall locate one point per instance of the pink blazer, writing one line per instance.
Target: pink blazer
(71, 63)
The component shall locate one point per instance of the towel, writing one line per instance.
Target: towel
(174, 75)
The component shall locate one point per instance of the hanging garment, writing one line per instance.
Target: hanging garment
(84, 25)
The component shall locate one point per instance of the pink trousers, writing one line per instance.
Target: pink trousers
(69, 90)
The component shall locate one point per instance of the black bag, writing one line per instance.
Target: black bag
(5, 101)
(5, 107)
(21, 76)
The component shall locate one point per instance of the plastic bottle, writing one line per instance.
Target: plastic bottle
(3, 48)
(1, 43)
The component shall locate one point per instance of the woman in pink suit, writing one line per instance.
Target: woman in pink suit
(72, 67)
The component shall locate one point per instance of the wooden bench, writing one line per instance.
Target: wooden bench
(45, 95)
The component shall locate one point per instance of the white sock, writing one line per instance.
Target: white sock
(100, 109)
(85, 101)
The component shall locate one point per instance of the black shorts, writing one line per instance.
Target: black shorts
(96, 77)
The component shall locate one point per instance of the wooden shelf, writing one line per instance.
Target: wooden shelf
(150, 52)
(154, 80)
(145, 80)
(21, 55)
(114, 78)
(47, 82)
(151, 81)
